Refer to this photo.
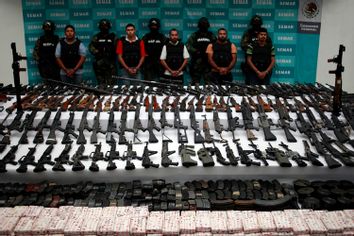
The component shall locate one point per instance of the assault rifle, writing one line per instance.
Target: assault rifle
(26, 126)
(77, 157)
(16, 123)
(165, 153)
(278, 155)
(265, 123)
(284, 119)
(112, 155)
(52, 138)
(258, 154)
(311, 156)
(208, 138)
(96, 127)
(230, 155)
(205, 157)
(266, 106)
(218, 127)
(38, 138)
(137, 124)
(45, 159)
(219, 157)
(96, 156)
(234, 104)
(183, 104)
(26, 160)
(191, 104)
(129, 155)
(62, 159)
(111, 127)
(9, 158)
(340, 129)
(182, 138)
(69, 130)
(186, 151)
(146, 161)
(244, 156)
(295, 156)
(247, 119)
(198, 138)
(152, 126)
(83, 125)
(200, 104)
(123, 127)
(232, 123)
(163, 121)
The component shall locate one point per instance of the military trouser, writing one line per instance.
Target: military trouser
(152, 71)
(104, 73)
(198, 71)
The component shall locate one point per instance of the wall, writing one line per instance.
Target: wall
(336, 29)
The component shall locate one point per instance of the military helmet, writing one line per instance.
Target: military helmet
(203, 23)
(154, 21)
(104, 23)
(256, 20)
(48, 25)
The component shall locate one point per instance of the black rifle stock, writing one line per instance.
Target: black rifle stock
(186, 151)
(182, 138)
(198, 138)
(205, 157)
(96, 156)
(62, 159)
(278, 155)
(9, 158)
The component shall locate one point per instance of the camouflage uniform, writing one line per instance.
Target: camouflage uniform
(196, 45)
(102, 46)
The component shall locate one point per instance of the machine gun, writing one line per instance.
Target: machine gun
(198, 138)
(52, 138)
(26, 160)
(165, 153)
(163, 121)
(337, 95)
(219, 157)
(112, 155)
(146, 161)
(45, 159)
(182, 104)
(186, 151)
(205, 157)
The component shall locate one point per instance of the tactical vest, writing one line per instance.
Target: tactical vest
(174, 58)
(131, 52)
(105, 44)
(154, 44)
(222, 54)
(70, 53)
(261, 56)
(202, 40)
(47, 48)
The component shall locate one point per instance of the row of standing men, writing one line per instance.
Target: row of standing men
(156, 57)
